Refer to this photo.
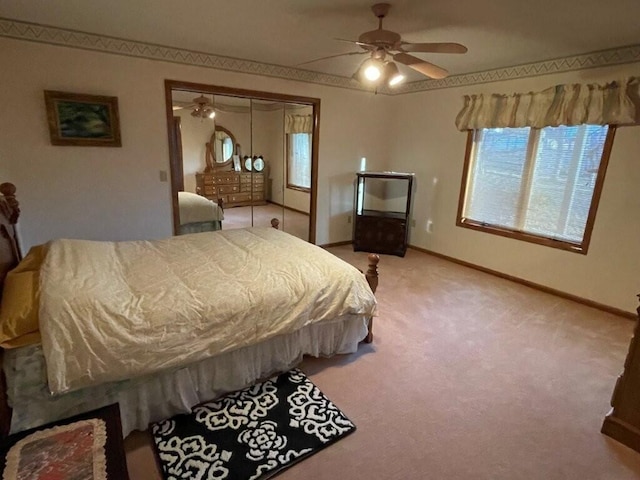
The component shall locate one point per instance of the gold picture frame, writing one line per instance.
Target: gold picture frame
(82, 120)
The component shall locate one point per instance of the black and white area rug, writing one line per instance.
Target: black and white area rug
(252, 433)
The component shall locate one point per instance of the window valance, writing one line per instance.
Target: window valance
(615, 103)
(298, 124)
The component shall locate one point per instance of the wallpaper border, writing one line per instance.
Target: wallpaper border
(88, 41)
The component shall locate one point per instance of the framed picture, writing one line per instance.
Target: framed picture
(236, 163)
(82, 120)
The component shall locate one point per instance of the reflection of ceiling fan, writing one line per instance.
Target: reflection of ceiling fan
(201, 107)
(380, 44)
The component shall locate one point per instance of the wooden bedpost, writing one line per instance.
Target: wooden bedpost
(372, 280)
(275, 223)
(10, 253)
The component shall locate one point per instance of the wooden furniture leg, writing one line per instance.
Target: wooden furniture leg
(372, 280)
(5, 410)
(622, 423)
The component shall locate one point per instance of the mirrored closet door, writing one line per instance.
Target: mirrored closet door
(249, 156)
(267, 143)
(296, 168)
(287, 159)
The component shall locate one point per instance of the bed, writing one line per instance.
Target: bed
(108, 348)
(198, 214)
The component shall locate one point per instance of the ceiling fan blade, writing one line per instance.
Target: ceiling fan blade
(433, 47)
(179, 105)
(356, 42)
(419, 65)
(331, 56)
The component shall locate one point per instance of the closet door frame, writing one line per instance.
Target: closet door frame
(171, 85)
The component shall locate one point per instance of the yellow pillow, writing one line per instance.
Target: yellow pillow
(19, 324)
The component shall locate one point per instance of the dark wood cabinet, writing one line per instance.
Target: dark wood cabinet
(382, 208)
(623, 421)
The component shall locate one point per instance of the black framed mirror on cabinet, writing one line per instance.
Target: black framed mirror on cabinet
(253, 154)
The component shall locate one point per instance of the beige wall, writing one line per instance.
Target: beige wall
(116, 193)
(426, 142)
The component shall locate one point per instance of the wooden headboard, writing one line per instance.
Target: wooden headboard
(9, 248)
(9, 257)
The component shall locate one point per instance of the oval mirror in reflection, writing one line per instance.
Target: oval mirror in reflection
(224, 144)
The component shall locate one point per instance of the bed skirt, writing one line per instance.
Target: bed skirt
(199, 227)
(160, 396)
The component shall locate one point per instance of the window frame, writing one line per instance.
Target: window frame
(293, 186)
(581, 247)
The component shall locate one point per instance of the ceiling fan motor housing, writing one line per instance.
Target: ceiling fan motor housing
(202, 101)
(381, 38)
(381, 10)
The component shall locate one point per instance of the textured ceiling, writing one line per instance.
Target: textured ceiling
(498, 33)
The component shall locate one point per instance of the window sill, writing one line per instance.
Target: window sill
(299, 189)
(581, 248)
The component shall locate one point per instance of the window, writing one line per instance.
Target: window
(227, 148)
(538, 185)
(299, 161)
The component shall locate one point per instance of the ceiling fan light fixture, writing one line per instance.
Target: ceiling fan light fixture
(203, 108)
(370, 71)
(393, 75)
(381, 44)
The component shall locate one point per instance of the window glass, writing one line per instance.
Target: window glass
(497, 176)
(566, 167)
(299, 160)
(540, 182)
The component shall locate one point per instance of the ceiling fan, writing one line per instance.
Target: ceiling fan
(381, 44)
(201, 107)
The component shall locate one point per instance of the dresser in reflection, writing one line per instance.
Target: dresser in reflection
(235, 189)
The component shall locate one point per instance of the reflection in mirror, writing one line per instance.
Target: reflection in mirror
(267, 142)
(207, 149)
(233, 129)
(223, 145)
(233, 185)
(256, 159)
(296, 166)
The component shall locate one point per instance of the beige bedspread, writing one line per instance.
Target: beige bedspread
(196, 208)
(116, 310)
